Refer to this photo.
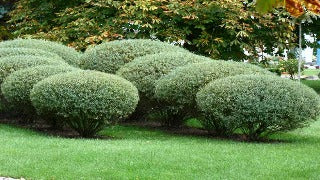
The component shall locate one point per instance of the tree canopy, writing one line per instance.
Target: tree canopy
(219, 29)
(305, 11)
(295, 7)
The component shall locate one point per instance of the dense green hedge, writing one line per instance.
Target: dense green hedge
(17, 86)
(314, 84)
(257, 105)
(181, 85)
(144, 71)
(110, 56)
(10, 64)
(26, 52)
(70, 55)
(87, 100)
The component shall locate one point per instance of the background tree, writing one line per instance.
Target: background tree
(311, 27)
(5, 7)
(219, 29)
(289, 66)
(295, 7)
(308, 8)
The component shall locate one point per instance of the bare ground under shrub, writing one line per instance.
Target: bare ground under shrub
(66, 132)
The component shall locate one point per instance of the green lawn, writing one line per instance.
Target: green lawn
(311, 72)
(314, 84)
(139, 153)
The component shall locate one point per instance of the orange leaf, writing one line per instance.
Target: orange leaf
(294, 7)
(312, 5)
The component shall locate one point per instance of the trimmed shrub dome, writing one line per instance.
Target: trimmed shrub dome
(257, 105)
(180, 86)
(70, 55)
(26, 52)
(144, 71)
(110, 56)
(13, 63)
(17, 86)
(86, 100)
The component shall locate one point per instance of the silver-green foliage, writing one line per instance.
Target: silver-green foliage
(110, 56)
(70, 55)
(256, 104)
(181, 85)
(87, 100)
(144, 71)
(17, 86)
(10, 64)
(26, 52)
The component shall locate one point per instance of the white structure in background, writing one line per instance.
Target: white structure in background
(307, 53)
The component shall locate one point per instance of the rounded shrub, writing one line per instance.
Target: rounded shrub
(110, 56)
(86, 100)
(26, 52)
(180, 86)
(70, 55)
(17, 86)
(144, 71)
(10, 64)
(258, 105)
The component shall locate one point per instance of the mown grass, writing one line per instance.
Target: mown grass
(311, 72)
(140, 153)
(314, 84)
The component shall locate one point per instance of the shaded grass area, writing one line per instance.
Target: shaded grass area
(141, 153)
(314, 84)
(194, 123)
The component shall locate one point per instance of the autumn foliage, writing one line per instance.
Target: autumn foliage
(295, 7)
